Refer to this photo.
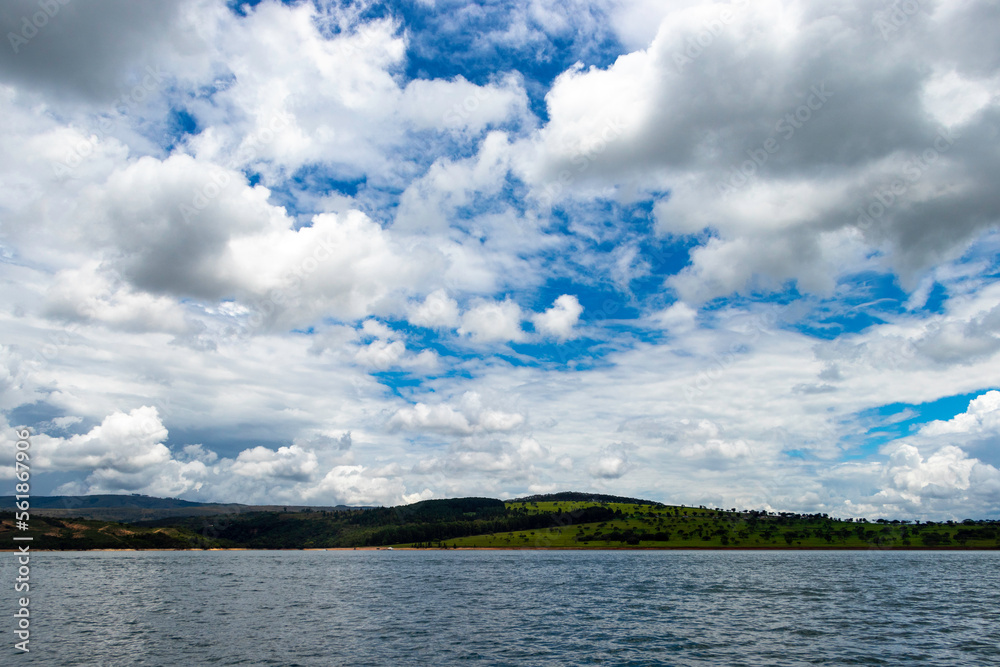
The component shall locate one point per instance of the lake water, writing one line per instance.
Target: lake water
(509, 608)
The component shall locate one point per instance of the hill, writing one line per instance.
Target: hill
(137, 507)
(584, 497)
(564, 521)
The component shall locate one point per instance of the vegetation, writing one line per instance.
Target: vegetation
(134, 507)
(647, 525)
(426, 523)
(568, 521)
(82, 534)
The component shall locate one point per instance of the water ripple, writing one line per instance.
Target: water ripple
(514, 608)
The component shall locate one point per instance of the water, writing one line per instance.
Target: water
(509, 608)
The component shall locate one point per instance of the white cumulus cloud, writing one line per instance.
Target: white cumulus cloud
(559, 320)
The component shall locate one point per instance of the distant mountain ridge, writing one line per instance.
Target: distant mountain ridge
(107, 500)
(138, 507)
(577, 496)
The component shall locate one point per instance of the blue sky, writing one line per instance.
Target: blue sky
(711, 253)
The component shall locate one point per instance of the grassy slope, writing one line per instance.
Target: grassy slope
(703, 528)
(54, 533)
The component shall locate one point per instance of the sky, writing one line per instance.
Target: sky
(735, 254)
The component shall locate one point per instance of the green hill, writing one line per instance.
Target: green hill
(565, 521)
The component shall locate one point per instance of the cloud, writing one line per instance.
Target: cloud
(799, 174)
(125, 453)
(718, 449)
(388, 351)
(470, 416)
(496, 420)
(679, 317)
(490, 321)
(529, 448)
(613, 462)
(322, 441)
(334, 77)
(492, 459)
(381, 354)
(946, 481)
(438, 310)
(96, 293)
(292, 463)
(983, 416)
(439, 198)
(559, 320)
(354, 485)
(18, 385)
(441, 418)
(199, 453)
(185, 229)
(966, 339)
(943, 473)
(124, 442)
(461, 106)
(58, 56)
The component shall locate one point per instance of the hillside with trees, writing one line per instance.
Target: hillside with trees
(563, 521)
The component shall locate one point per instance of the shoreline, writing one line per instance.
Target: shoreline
(774, 548)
